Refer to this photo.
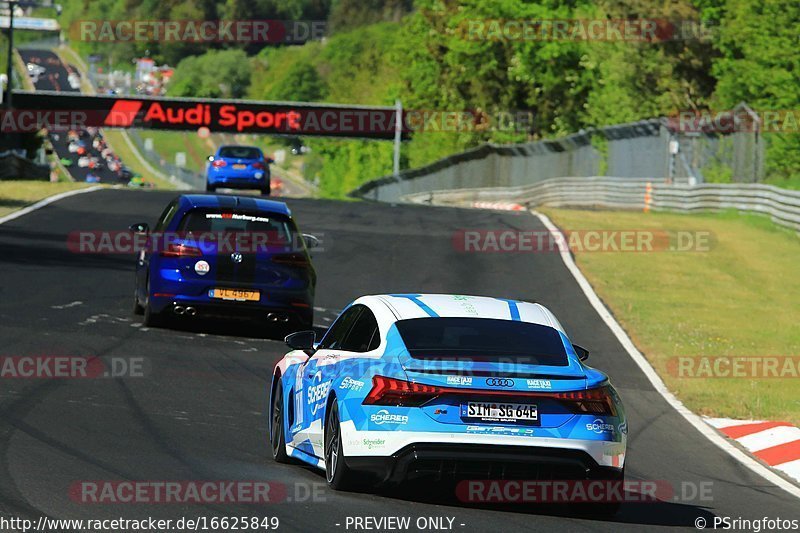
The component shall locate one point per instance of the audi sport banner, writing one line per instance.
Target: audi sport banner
(58, 111)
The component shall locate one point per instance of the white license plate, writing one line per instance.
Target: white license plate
(500, 412)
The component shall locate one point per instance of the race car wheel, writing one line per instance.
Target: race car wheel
(337, 473)
(265, 191)
(277, 438)
(151, 319)
(137, 307)
(603, 510)
(210, 188)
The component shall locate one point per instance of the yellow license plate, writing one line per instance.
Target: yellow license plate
(235, 294)
(240, 167)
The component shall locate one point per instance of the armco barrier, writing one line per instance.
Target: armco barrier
(782, 205)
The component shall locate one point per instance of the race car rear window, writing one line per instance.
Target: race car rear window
(240, 152)
(277, 229)
(482, 339)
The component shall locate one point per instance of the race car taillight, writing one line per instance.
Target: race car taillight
(218, 163)
(590, 401)
(390, 391)
(181, 250)
(259, 165)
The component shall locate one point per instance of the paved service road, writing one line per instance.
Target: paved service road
(200, 411)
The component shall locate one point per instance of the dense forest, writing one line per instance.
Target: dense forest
(716, 54)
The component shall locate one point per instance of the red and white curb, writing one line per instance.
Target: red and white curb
(775, 443)
(499, 206)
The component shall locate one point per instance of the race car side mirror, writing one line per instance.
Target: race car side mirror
(140, 227)
(301, 340)
(583, 353)
(311, 241)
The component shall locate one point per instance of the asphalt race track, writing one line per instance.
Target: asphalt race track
(200, 411)
(55, 79)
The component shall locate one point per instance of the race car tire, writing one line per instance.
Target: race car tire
(603, 510)
(151, 319)
(210, 188)
(337, 473)
(137, 307)
(265, 191)
(276, 437)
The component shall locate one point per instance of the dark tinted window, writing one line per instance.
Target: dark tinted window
(363, 334)
(335, 336)
(240, 152)
(482, 339)
(276, 229)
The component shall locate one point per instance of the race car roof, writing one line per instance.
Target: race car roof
(249, 203)
(406, 306)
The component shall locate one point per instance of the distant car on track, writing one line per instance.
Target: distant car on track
(238, 167)
(225, 257)
(407, 385)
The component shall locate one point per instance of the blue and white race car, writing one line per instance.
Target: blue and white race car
(403, 385)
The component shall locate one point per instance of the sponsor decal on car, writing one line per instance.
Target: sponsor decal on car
(373, 443)
(317, 394)
(202, 267)
(385, 417)
(459, 380)
(598, 426)
(349, 383)
(500, 430)
(539, 384)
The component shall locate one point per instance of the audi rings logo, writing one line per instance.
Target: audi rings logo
(499, 382)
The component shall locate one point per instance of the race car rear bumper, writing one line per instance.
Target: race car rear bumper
(481, 461)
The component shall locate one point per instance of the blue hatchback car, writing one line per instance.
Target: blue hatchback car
(225, 257)
(238, 167)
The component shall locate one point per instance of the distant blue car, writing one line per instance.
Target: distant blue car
(225, 257)
(238, 167)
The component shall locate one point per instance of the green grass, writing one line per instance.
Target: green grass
(120, 146)
(738, 299)
(15, 195)
(167, 143)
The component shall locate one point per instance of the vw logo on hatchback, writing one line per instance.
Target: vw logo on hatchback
(236, 257)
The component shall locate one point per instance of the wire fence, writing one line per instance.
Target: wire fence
(193, 179)
(654, 149)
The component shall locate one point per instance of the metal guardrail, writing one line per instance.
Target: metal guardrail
(782, 205)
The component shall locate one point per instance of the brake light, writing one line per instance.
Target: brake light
(259, 165)
(218, 163)
(390, 391)
(181, 250)
(293, 260)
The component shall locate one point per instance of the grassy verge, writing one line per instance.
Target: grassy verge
(117, 142)
(18, 194)
(739, 298)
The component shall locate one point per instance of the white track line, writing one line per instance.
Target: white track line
(46, 201)
(705, 429)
